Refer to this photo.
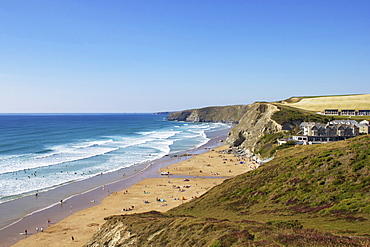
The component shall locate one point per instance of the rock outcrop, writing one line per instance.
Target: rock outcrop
(252, 122)
(217, 114)
(256, 123)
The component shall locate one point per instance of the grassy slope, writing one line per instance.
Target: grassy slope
(156, 229)
(307, 196)
(293, 115)
(325, 187)
(356, 102)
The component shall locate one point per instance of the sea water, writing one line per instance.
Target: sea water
(39, 152)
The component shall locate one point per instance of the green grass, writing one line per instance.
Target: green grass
(306, 196)
(309, 183)
(157, 229)
(296, 116)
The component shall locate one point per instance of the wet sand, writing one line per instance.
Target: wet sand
(11, 234)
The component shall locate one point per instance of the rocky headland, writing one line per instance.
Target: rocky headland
(256, 125)
(215, 114)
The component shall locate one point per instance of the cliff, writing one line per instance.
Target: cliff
(264, 123)
(252, 123)
(223, 114)
(256, 123)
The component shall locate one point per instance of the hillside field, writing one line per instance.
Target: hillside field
(319, 104)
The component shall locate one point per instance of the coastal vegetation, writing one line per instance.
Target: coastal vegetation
(306, 196)
(294, 116)
(268, 144)
(328, 181)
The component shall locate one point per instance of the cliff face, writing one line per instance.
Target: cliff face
(253, 122)
(223, 114)
(256, 123)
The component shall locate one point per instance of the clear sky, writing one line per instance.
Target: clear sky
(145, 56)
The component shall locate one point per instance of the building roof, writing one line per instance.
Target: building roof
(349, 122)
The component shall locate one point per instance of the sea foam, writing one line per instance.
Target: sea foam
(74, 149)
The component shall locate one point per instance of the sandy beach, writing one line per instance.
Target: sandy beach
(188, 180)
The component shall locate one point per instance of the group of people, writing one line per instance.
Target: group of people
(128, 209)
(41, 229)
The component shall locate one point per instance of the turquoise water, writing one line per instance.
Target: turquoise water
(39, 152)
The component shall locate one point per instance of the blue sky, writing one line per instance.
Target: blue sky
(145, 56)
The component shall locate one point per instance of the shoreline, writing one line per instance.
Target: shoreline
(57, 212)
(158, 194)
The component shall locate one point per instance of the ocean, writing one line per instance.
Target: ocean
(41, 152)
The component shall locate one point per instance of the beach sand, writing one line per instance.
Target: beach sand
(203, 171)
(214, 163)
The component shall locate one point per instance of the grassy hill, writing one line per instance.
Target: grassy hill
(320, 103)
(325, 187)
(306, 196)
